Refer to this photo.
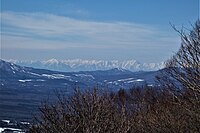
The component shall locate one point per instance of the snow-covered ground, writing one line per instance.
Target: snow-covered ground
(13, 127)
(14, 130)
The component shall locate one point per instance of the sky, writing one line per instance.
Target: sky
(94, 29)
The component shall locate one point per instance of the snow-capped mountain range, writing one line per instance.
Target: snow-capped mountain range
(89, 65)
(23, 88)
(113, 78)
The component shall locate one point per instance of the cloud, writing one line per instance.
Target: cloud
(49, 31)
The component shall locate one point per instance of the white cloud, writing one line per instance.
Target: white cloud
(48, 31)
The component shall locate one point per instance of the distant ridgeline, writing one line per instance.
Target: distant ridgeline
(89, 65)
(23, 88)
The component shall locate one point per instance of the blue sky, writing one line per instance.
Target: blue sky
(91, 29)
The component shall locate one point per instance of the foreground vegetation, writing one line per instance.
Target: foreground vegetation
(136, 110)
(174, 106)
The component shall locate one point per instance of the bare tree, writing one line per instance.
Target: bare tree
(184, 67)
(181, 76)
(90, 111)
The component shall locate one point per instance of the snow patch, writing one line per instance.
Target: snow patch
(25, 123)
(12, 67)
(137, 80)
(26, 80)
(15, 130)
(55, 76)
(150, 85)
(34, 74)
(6, 121)
(125, 79)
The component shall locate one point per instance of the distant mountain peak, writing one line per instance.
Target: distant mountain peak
(52, 61)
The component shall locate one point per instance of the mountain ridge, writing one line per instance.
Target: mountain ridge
(23, 88)
(76, 65)
(10, 71)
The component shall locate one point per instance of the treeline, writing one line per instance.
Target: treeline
(128, 111)
(173, 107)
